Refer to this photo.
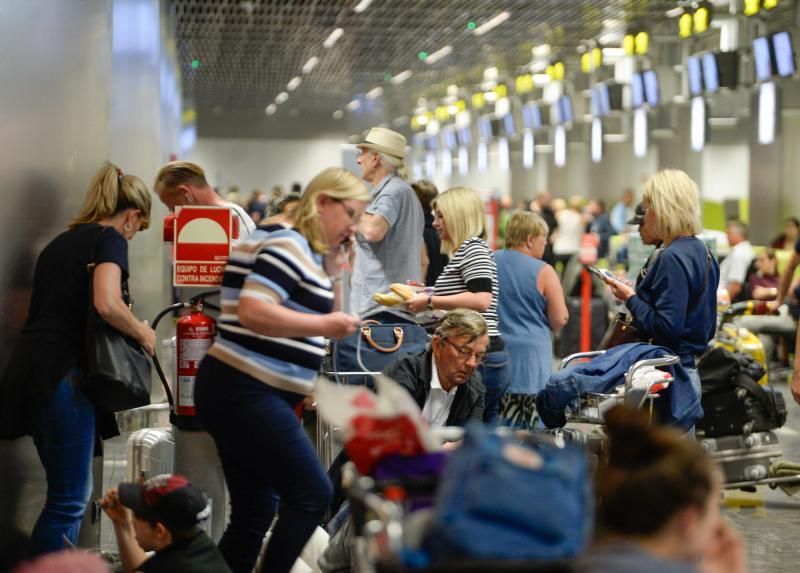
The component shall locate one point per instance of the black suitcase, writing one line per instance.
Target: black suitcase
(569, 339)
(740, 410)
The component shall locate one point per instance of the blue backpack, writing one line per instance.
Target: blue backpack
(502, 498)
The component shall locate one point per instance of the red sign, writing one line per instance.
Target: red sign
(202, 245)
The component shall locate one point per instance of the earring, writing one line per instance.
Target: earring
(127, 227)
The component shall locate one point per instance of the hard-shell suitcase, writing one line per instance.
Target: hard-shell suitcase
(150, 452)
(743, 458)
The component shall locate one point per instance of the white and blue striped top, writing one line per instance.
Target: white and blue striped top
(274, 264)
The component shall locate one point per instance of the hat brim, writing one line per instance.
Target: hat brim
(132, 496)
(382, 149)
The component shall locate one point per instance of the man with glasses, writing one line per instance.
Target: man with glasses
(389, 245)
(443, 379)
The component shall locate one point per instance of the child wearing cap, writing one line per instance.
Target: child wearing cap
(162, 515)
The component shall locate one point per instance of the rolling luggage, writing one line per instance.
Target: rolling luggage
(743, 458)
(569, 339)
(150, 452)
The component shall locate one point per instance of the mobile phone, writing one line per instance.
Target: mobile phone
(603, 274)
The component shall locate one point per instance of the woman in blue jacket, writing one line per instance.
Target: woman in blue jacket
(675, 304)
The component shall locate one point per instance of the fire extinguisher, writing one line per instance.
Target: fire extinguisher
(194, 335)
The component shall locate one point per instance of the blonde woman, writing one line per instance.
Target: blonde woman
(531, 307)
(675, 305)
(40, 393)
(469, 281)
(277, 309)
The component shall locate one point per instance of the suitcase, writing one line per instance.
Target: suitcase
(150, 452)
(569, 340)
(734, 411)
(743, 458)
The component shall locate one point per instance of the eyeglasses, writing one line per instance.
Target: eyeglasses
(466, 354)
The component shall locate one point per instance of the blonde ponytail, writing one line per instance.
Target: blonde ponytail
(111, 192)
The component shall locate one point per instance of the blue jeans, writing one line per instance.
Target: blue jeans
(266, 457)
(65, 443)
(496, 372)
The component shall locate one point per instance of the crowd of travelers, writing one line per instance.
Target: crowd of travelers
(658, 493)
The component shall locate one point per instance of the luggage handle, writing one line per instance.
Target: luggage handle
(366, 332)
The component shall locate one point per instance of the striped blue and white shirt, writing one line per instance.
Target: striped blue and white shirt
(274, 264)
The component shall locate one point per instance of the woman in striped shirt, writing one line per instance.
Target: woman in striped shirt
(469, 281)
(277, 304)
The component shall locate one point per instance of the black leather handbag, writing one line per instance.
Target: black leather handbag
(117, 368)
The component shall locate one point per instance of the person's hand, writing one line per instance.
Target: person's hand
(725, 553)
(309, 403)
(115, 511)
(415, 283)
(451, 446)
(772, 306)
(620, 289)
(418, 303)
(339, 325)
(796, 385)
(147, 338)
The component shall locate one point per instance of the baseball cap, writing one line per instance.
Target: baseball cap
(638, 217)
(168, 498)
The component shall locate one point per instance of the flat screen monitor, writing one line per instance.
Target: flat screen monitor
(485, 127)
(531, 115)
(432, 142)
(601, 101)
(565, 110)
(762, 56)
(784, 54)
(637, 91)
(695, 75)
(652, 93)
(464, 135)
(449, 137)
(508, 124)
(710, 72)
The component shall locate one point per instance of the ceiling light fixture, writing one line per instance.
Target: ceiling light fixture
(375, 93)
(332, 38)
(361, 6)
(401, 77)
(338, 114)
(439, 54)
(281, 98)
(353, 105)
(294, 83)
(491, 24)
(310, 64)
(271, 108)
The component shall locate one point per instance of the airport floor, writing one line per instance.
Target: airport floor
(769, 520)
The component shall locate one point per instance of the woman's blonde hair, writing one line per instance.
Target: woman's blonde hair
(464, 217)
(675, 200)
(177, 173)
(521, 225)
(334, 182)
(112, 192)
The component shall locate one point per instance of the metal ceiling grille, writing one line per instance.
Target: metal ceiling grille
(248, 50)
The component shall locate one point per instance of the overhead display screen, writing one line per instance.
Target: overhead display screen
(784, 54)
(695, 75)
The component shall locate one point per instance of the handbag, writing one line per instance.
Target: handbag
(117, 368)
(502, 498)
(622, 331)
(382, 338)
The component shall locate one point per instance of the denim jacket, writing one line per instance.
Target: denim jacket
(605, 372)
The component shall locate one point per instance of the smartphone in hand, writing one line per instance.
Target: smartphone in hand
(602, 274)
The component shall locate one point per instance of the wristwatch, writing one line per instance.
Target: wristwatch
(430, 302)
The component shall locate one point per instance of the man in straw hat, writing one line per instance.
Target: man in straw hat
(389, 243)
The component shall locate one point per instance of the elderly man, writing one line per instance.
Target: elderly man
(184, 183)
(733, 269)
(389, 246)
(442, 379)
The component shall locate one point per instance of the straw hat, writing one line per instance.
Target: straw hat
(385, 141)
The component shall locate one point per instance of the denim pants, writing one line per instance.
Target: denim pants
(495, 372)
(65, 443)
(267, 458)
